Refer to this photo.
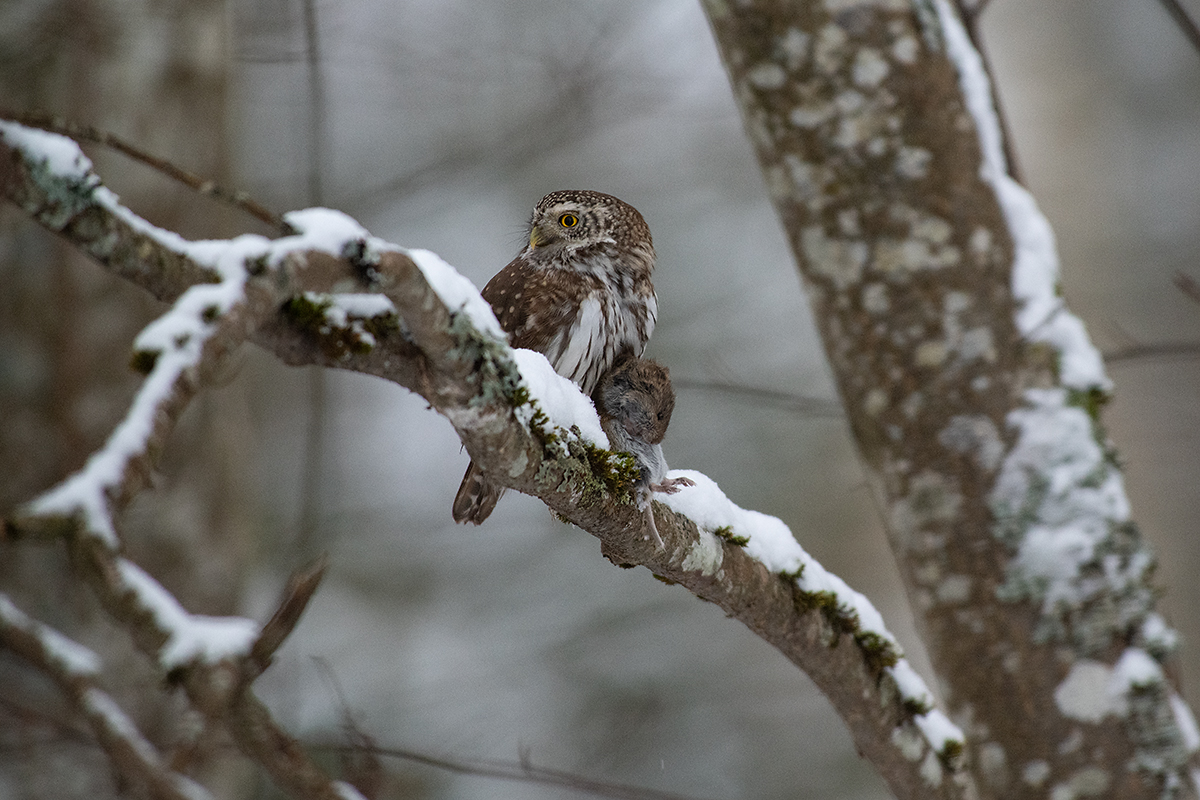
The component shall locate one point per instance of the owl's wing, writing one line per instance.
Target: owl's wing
(505, 292)
(531, 305)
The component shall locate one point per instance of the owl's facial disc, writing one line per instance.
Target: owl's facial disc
(555, 225)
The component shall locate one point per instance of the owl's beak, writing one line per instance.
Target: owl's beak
(538, 237)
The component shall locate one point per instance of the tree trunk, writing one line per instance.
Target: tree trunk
(972, 393)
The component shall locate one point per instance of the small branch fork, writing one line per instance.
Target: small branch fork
(87, 133)
(436, 341)
(75, 669)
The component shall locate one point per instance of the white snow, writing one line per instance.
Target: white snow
(347, 792)
(1083, 694)
(68, 655)
(1092, 689)
(326, 229)
(1058, 463)
(118, 723)
(1042, 316)
(190, 636)
(912, 686)
(178, 338)
(61, 155)
(771, 543)
(457, 291)
(1186, 722)
(1157, 633)
(1135, 669)
(559, 398)
(346, 305)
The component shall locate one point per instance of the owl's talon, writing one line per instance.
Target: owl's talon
(672, 485)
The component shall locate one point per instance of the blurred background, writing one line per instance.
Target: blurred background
(439, 125)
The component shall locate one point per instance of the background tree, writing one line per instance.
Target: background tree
(741, 234)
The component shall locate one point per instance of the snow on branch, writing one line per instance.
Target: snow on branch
(1059, 497)
(528, 428)
(75, 669)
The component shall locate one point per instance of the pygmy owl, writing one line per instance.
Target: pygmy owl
(579, 293)
(635, 401)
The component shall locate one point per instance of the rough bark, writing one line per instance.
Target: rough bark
(873, 161)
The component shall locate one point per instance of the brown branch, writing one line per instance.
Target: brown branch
(1184, 22)
(73, 668)
(521, 772)
(1146, 352)
(238, 199)
(300, 590)
(1188, 285)
(804, 405)
(468, 375)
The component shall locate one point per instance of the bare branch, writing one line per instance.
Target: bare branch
(74, 668)
(1188, 285)
(438, 337)
(300, 590)
(86, 133)
(1147, 352)
(804, 405)
(522, 772)
(1183, 20)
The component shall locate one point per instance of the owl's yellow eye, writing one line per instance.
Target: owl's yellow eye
(568, 220)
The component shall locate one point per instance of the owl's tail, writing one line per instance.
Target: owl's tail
(476, 497)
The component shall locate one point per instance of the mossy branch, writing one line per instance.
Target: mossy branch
(469, 377)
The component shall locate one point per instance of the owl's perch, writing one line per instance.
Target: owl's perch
(451, 358)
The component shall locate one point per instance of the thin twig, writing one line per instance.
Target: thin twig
(300, 589)
(522, 771)
(360, 764)
(204, 186)
(74, 668)
(801, 404)
(1145, 352)
(1188, 285)
(1184, 21)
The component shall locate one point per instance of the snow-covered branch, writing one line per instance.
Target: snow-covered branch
(427, 328)
(74, 668)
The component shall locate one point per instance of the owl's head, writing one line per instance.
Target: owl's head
(575, 218)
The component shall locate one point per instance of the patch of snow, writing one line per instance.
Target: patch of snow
(60, 155)
(1083, 694)
(1157, 634)
(1041, 316)
(1092, 690)
(190, 636)
(1135, 669)
(559, 398)
(363, 305)
(347, 792)
(771, 543)
(178, 339)
(70, 656)
(1058, 487)
(118, 723)
(457, 292)
(1186, 722)
(325, 229)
